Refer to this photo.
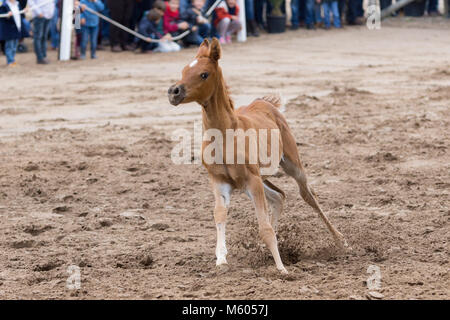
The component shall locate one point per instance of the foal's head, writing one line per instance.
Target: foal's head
(199, 78)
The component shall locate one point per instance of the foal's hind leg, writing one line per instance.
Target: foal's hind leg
(255, 190)
(276, 198)
(298, 173)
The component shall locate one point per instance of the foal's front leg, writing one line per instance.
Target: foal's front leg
(222, 193)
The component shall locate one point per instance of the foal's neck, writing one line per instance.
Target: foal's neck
(218, 112)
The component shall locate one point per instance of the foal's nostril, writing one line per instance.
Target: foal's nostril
(176, 91)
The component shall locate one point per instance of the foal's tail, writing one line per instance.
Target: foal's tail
(276, 100)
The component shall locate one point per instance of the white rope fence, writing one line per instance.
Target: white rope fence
(116, 24)
(5, 15)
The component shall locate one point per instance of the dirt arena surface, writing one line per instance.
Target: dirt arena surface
(86, 177)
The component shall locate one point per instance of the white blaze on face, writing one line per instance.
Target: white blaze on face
(193, 63)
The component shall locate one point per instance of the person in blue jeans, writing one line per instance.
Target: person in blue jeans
(42, 14)
(54, 33)
(330, 6)
(11, 29)
(89, 26)
(309, 13)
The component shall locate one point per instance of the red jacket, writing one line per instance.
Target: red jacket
(223, 11)
(171, 19)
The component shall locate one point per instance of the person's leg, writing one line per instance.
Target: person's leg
(295, 22)
(351, 11)
(302, 11)
(127, 14)
(46, 30)
(10, 51)
(309, 14)
(54, 34)
(317, 13)
(84, 41)
(94, 37)
(38, 30)
(259, 7)
(222, 28)
(114, 32)
(336, 17)
(432, 7)
(326, 14)
(234, 26)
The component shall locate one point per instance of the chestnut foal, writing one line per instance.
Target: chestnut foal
(202, 82)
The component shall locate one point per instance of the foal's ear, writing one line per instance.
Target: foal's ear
(215, 51)
(203, 50)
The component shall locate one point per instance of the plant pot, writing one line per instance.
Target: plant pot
(276, 24)
(415, 9)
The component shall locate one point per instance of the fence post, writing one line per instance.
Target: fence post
(66, 30)
(242, 35)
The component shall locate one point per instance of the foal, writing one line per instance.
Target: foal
(202, 82)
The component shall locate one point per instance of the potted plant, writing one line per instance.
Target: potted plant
(276, 20)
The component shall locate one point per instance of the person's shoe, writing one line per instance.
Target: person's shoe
(83, 57)
(116, 48)
(252, 28)
(222, 40)
(93, 56)
(12, 65)
(228, 39)
(129, 47)
(310, 27)
(43, 61)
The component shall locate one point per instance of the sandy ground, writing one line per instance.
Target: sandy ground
(86, 177)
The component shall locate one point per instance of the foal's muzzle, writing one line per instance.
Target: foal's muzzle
(176, 94)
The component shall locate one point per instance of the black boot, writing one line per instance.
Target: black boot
(255, 28)
(249, 29)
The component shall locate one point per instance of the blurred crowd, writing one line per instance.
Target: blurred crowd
(159, 20)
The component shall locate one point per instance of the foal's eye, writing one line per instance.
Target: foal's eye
(204, 75)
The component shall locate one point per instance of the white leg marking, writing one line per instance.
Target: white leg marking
(221, 248)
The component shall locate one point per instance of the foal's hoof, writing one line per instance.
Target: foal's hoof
(283, 271)
(222, 268)
(343, 245)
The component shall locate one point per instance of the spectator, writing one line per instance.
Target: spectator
(54, 33)
(11, 29)
(227, 20)
(120, 11)
(296, 6)
(252, 27)
(330, 5)
(149, 28)
(139, 10)
(354, 12)
(172, 22)
(200, 26)
(89, 26)
(42, 15)
(318, 14)
(432, 8)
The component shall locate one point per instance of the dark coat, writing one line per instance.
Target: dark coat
(8, 28)
(149, 29)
